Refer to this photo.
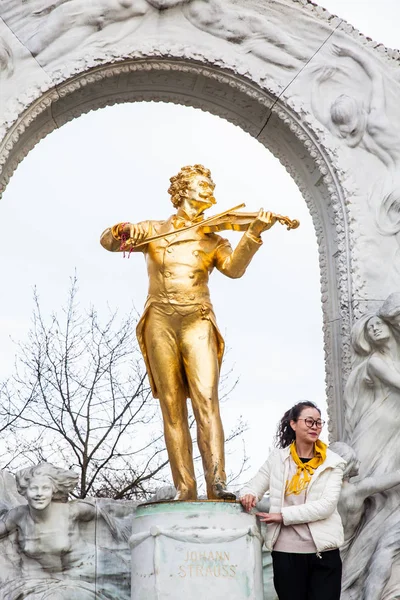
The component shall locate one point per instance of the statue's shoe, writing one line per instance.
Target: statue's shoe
(185, 495)
(219, 492)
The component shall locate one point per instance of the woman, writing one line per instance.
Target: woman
(304, 530)
(56, 561)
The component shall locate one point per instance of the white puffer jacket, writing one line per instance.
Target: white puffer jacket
(320, 508)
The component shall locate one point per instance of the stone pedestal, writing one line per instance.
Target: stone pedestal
(195, 550)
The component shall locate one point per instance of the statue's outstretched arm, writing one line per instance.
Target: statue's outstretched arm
(377, 483)
(378, 367)
(377, 100)
(321, 75)
(233, 263)
(115, 238)
(8, 523)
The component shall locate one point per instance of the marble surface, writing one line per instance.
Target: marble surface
(370, 497)
(195, 550)
(52, 547)
(96, 558)
(333, 121)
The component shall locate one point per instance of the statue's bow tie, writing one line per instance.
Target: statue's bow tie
(181, 222)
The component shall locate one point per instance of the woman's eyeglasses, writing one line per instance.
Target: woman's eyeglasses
(310, 422)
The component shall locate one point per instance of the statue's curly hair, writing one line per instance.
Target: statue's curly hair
(285, 435)
(63, 480)
(180, 182)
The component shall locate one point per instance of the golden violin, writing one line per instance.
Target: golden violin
(231, 219)
(239, 221)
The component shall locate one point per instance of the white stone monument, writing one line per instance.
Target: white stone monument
(195, 550)
(317, 93)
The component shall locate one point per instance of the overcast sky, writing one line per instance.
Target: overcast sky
(114, 165)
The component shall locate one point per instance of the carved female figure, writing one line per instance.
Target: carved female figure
(372, 428)
(255, 34)
(82, 18)
(56, 562)
(365, 123)
(357, 122)
(351, 508)
(355, 491)
(372, 396)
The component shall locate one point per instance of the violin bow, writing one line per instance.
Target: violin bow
(199, 224)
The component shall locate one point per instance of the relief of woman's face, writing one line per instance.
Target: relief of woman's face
(349, 118)
(378, 330)
(39, 492)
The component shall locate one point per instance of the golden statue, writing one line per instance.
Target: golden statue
(178, 333)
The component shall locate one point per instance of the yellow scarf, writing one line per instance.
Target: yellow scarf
(302, 477)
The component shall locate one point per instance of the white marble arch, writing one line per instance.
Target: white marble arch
(276, 68)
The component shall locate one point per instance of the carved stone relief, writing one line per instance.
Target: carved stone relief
(52, 547)
(71, 36)
(353, 95)
(52, 29)
(327, 118)
(180, 59)
(324, 100)
(371, 494)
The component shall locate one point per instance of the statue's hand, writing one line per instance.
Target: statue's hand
(345, 51)
(264, 220)
(339, 50)
(137, 232)
(325, 73)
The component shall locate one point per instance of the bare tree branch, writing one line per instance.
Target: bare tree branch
(80, 398)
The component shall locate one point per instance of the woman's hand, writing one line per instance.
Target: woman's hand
(269, 517)
(248, 502)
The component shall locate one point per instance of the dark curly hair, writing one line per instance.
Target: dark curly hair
(285, 435)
